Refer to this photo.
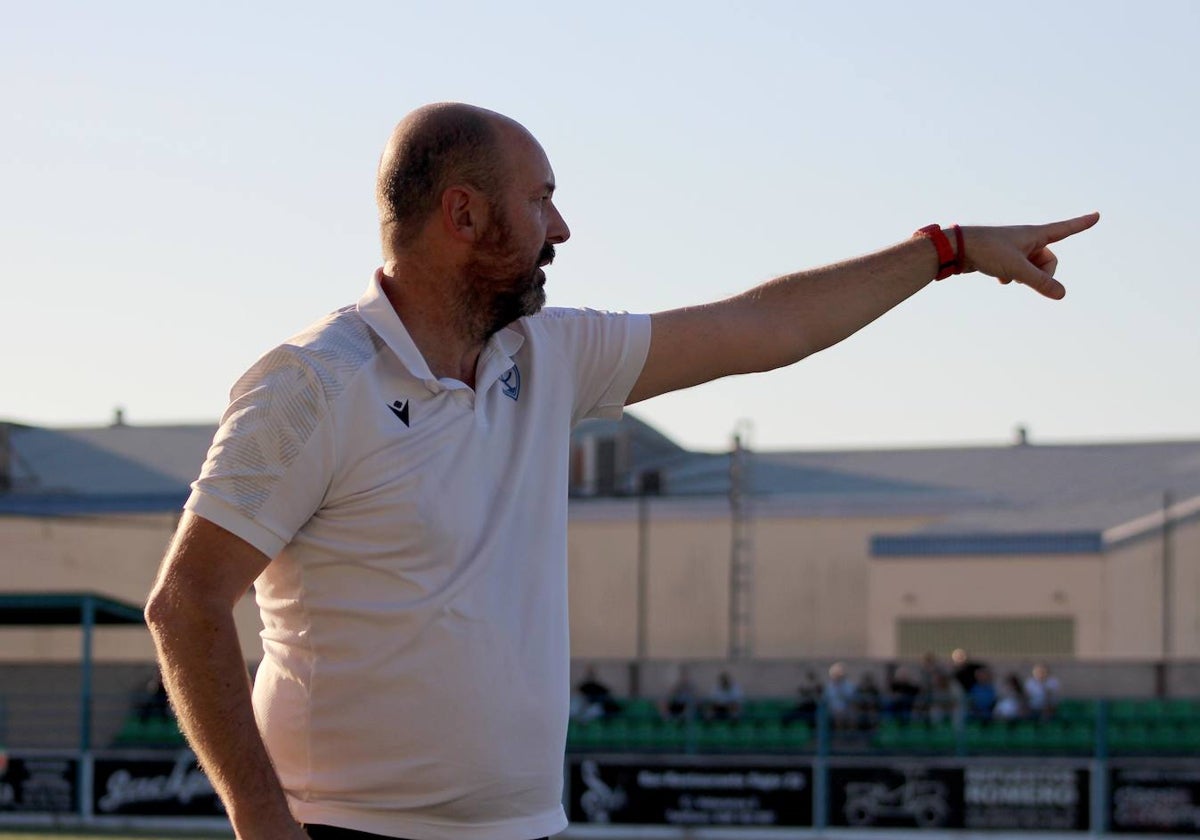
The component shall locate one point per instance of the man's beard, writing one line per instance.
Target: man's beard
(500, 287)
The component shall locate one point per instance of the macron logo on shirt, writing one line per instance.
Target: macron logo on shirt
(400, 409)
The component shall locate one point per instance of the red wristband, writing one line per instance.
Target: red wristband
(948, 262)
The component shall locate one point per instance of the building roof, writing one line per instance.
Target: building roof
(1023, 498)
(1026, 498)
(111, 469)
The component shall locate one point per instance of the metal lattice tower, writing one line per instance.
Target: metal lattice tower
(741, 554)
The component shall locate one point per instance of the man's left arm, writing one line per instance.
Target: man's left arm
(791, 317)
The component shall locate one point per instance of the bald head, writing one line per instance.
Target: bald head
(434, 147)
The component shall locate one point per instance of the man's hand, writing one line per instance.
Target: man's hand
(1019, 254)
(790, 317)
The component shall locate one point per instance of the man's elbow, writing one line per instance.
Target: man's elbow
(170, 611)
(161, 612)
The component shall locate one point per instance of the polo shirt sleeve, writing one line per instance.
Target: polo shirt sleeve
(272, 459)
(605, 353)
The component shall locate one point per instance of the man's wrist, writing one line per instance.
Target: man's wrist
(951, 254)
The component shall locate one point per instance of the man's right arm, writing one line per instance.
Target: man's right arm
(190, 614)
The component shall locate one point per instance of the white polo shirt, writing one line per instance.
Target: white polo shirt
(415, 672)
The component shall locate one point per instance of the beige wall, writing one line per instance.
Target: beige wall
(1185, 590)
(991, 587)
(115, 556)
(1134, 597)
(816, 592)
(809, 580)
(1114, 598)
(811, 583)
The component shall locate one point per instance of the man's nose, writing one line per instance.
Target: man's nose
(558, 232)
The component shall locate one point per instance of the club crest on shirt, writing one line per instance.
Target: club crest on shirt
(511, 382)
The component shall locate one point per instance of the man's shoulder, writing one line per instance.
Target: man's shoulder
(328, 352)
(341, 332)
(555, 315)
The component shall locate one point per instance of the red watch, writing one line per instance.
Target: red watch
(948, 262)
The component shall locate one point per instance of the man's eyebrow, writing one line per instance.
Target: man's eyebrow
(548, 186)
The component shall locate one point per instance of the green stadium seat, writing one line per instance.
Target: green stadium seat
(1080, 737)
(1181, 711)
(613, 735)
(797, 737)
(1126, 710)
(1073, 709)
(766, 737)
(1126, 736)
(639, 709)
(890, 735)
(986, 740)
(670, 737)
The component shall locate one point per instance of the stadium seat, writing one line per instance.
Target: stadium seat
(639, 709)
(1073, 709)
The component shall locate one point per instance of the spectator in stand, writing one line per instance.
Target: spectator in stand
(904, 689)
(868, 701)
(839, 697)
(808, 695)
(981, 699)
(680, 702)
(1042, 692)
(593, 699)
(930, 675)
(945, 700)
(1011, 704)
(725, 701)
(965, 669)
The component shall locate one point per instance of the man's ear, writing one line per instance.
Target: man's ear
(464, 213)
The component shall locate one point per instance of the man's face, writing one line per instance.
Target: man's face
(523, 227)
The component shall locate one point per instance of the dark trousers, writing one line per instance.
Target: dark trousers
(331, 832)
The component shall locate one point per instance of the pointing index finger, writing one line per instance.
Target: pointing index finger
(1056, 231)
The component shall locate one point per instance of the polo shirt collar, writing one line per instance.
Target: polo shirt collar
(494, 360)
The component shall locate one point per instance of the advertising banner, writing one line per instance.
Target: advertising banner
(973, 796)
(909, 795)
(171, 786)
(31, 784)
(648, 793)
(1159, 800)
(1031, 796)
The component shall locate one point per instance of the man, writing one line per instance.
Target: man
(966, 670)
(392, 481)
(725, 701)
(1042, 690)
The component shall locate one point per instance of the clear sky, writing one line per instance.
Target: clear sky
(182, 186)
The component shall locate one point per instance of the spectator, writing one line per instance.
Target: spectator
(981, 699)
(930, 674)
(1042, 692)
(868, 702)
(593, 699)
(839, 697)
(965, 669)
(1011, 704)
(904, 689)
(808, 695)
(944, 700)
(680, 703)
(725, 702)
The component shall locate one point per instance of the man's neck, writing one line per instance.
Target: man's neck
(443, 334)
